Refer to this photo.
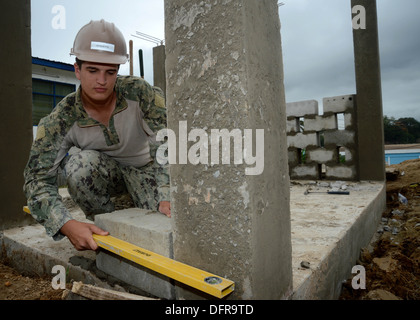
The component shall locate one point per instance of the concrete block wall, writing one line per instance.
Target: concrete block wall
(323, 146)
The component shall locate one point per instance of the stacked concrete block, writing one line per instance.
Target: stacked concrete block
(320, 123)
(301, 108)
(319, 146)
(302, 140)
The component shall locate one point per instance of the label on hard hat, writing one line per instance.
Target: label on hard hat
(102, 46)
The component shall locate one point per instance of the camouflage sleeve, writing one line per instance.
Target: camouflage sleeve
(156, 118)
(40, 186)
(152, 104)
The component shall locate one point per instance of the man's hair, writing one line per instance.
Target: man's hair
(79, 63)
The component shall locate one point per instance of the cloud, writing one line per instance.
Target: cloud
(400, 57)
(318, 52)
(317, 49)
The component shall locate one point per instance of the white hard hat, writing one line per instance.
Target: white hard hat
(101, 42)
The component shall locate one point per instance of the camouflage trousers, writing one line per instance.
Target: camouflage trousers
(93, 178)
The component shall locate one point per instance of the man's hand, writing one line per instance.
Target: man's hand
(80, 234)
(165, 208)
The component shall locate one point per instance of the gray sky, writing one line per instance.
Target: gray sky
(316, 36)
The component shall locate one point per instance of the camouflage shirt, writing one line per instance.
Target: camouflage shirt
(53, 141)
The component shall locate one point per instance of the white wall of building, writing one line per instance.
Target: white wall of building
(53, 74)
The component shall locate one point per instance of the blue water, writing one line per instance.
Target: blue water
(397, 158)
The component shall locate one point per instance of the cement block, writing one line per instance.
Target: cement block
(340, 172)
(302, 140)
(293, 156)
(322, 155)
(305, 171)
(302, 108)
(340, 138)
(148, 230)
(349, 154)
(291, 126)
(339, 104)
(320, 123)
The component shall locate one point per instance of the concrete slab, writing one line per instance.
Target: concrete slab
(328, 231)
(30, 250)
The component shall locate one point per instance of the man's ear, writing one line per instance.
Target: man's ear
(77, 71)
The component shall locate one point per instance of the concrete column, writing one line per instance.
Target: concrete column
(225, 71)
(369, 95)
(159, 73)
(16, 109)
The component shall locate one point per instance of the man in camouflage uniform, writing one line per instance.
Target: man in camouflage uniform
(113, 121)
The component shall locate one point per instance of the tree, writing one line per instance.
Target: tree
(401, 131)
(412, 126)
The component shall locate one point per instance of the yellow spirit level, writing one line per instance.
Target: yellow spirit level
(196, 278)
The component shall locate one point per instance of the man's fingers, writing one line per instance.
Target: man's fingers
(93, 245)
(98, 231)
(165, 208)
(168, 213)
(80, 234)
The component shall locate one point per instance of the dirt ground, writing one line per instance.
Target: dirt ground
(392, 260)
(17, 286)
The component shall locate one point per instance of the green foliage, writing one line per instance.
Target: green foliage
(401, 131)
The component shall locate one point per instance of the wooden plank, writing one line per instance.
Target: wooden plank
(97, 293)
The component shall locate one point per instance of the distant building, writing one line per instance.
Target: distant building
(51, 82)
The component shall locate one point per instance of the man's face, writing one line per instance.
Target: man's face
(97, 80)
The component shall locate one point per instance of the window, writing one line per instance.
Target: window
(46, 95)
(300, 124)
(341, 124)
